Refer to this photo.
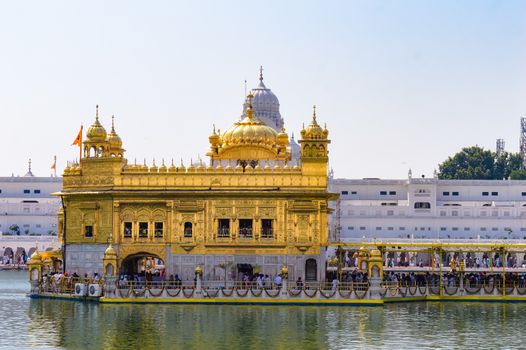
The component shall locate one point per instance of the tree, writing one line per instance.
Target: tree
(518, 175)
(477, 163)
(15, 229)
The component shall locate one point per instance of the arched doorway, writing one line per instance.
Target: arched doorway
(143, 266)
(311, 270)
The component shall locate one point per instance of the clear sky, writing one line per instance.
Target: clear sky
(400, 84)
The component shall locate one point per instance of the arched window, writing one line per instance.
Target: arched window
(188, 229)
(422, 205)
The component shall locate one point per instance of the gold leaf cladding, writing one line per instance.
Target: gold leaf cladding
(226, 212)
(245, 212)
(267, 212)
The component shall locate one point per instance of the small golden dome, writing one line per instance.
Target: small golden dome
(154, 168)
(114, 139)
(110, 251)
(182, 168)
(96, 132)
(214, 138)
(376, 252)
(283, 138)
(144, 167)
(36, 256)
(314, 131)
(172, 168)
(163, 168)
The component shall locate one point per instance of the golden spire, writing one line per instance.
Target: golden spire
(97, 113)
(113, 123)
(314, 113)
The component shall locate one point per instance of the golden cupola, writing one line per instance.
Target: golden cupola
(314, 131)
(114, 141)
(249, 139)
(96, 144)
(96, 132)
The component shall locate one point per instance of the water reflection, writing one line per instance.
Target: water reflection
(65, 324)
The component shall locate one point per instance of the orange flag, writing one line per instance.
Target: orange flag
(54, 165)
(78, 139)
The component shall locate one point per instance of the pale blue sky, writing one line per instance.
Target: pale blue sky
(399, 83)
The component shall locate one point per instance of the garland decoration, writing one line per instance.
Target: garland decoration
(412, 291)
(272, 295)
(521, 289)
(242, 294)
(156, 294)
(472, 289)
(453, 290)
(424, 290)
(343, 295)
(294, 291)
(487, 288)
(192, 289)
(252, 291)
(223, 290)
(327, 295)
(310, 295)
(360, 294)
(178, 290)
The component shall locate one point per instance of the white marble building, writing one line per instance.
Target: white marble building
(26, 201)
(428, 208)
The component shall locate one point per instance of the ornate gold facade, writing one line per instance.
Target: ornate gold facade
(250, 201)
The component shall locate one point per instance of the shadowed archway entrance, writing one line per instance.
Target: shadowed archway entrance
(143, 264)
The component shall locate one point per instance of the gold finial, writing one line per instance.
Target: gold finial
(29, 165)
(153, 162)
(162, 162)
(135, 161)
(144, 161)
(314, 112)
(260, 73)
(182, 162)
(113, 123)
(214, 129)
(172, 162)
(97, 113)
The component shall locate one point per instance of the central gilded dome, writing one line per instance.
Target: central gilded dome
(249, 131)
(249, 139)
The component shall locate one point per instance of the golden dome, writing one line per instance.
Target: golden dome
(96, 132)
(110, 251)
(163, 168)
(114, 139)
(249, 131)
(172, 168)
(283, 138)
(36, 256)
(214, 138)
(376, 252)
(314, 131)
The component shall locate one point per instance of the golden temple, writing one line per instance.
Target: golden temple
(251, 208)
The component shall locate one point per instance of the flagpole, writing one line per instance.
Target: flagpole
(55, 168)
(80, 144)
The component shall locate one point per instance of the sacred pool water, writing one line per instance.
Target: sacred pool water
(53, 324)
